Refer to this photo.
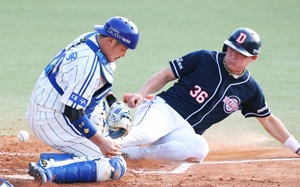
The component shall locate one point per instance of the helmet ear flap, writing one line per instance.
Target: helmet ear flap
(224, 48)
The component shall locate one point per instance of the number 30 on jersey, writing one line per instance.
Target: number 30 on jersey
(199, 94)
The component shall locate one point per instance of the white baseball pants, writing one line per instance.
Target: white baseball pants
(55, 130)
(169, 135)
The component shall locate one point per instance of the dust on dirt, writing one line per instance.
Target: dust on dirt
(227, 164)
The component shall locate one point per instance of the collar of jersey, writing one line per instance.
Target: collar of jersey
(230, 73)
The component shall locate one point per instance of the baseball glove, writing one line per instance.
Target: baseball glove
(118, 120)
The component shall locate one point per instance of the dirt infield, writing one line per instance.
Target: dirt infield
(225, 165)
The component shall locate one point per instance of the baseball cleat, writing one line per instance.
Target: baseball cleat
(124, 155)
(37, 172)
(132, 153)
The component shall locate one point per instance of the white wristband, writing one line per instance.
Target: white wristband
(293, 144)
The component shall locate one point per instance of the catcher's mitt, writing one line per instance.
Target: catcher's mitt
(118, 120)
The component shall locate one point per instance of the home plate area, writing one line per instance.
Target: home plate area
(225, 165)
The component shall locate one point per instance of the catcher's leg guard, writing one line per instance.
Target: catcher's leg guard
(64, 168)
(5, 183)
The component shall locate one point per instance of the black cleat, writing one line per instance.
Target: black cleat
(125, 155)
(37, 172)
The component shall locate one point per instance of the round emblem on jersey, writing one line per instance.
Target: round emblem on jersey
(231, 103)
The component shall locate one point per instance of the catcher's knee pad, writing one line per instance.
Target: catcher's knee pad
(65, 168)
(120, 167)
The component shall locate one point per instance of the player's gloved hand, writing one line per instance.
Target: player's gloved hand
(118, 120)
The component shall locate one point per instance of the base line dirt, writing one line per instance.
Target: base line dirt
(226, 165)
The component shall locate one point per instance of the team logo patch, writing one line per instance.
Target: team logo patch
(242, 37)
(231, 104)
(256, 50)
(118, 110)
(78, 99)
(86, 131)
(72, 56)
(263, 108)
(179, 62)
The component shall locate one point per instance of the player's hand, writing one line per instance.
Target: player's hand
(135, 100)
(110, 148)
(107, 145)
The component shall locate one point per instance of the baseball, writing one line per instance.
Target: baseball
(23, 136)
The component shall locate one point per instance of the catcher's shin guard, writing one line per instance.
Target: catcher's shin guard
(65, 168)
(5, 183)
(82, 171)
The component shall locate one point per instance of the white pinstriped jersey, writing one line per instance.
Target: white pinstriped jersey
(78, 75)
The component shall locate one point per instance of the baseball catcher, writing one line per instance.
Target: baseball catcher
(67, 109)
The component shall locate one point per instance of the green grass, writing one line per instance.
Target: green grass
(33, 32)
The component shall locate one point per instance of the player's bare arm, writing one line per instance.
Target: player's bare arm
(153, 84)
(275, 127)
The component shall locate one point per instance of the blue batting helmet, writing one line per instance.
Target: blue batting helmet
(121, 29)
(244, 40)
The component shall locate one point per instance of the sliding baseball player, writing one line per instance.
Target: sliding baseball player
(211, 85)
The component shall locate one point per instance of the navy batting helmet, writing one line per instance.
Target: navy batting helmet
(121, 29)
(244, 40)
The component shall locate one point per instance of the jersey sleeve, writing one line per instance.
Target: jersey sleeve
(256, 106)
(81, 82)
(186, 64)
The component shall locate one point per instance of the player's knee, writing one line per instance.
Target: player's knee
(195, 153)
(201, 154)
(198, 150)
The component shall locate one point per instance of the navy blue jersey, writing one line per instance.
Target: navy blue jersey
(206, 94)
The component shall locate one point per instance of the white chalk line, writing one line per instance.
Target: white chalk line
(19, 154)
(180, 169)
(23, 177)
(14, 170)
(185, 166)
(258, 160)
